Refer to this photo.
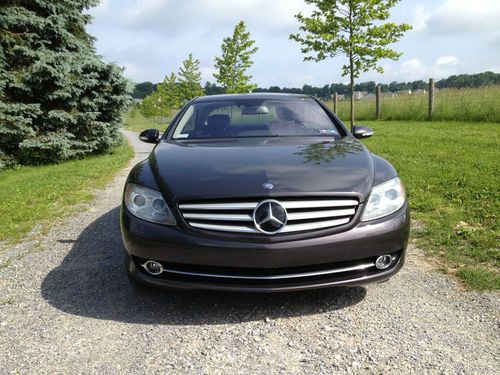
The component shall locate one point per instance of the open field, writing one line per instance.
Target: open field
(452, 177)
(135, 121)
(30, 196)
(466, 105)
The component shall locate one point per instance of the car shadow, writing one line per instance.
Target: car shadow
(91, 281)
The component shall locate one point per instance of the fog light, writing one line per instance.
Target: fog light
(153, 268)
(384, 261)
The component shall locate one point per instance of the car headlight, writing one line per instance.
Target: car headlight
(148, 204)
(386, 198)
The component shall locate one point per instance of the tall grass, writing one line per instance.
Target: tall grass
(466, 105)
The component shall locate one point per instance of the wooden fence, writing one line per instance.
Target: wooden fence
(379, 101)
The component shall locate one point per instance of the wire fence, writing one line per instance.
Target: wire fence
(467, 105)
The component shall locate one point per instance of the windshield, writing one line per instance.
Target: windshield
(245, 118)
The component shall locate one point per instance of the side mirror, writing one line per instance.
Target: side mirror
(362, 132)
(150, 136)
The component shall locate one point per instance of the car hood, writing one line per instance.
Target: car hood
(191, 170)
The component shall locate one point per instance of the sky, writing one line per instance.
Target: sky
(151, 38)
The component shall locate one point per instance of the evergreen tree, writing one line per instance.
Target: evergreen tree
(235, 61)
(190, 79)
(57, 98)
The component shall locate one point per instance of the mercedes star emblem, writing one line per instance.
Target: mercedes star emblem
(270, 216)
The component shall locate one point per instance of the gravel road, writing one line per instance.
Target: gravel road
(66, 307)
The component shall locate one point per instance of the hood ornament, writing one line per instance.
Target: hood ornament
(268, 186)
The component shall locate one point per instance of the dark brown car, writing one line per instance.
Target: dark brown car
(262, 192)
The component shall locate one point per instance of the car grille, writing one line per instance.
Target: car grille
(237, 217)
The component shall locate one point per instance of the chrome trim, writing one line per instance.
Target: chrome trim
(287, 229)
(224, 228)
(221, 216)
(315, 225)
(319, 203)
(276, 277)
(219, 206)
(227, 217)
(320, 214)
(286, 204)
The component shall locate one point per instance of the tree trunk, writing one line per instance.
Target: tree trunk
(352, 94)
(351, 60)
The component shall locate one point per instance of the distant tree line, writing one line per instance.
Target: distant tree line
(460, 81)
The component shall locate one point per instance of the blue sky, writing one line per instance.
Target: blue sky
(150, 38)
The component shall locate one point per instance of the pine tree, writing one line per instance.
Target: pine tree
(58, 100)
(190, 79)
(235, 61)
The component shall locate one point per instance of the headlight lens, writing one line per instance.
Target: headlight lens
(148, 204)
(386, 198)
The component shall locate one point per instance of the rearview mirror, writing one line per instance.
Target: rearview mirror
(362, 131)
(150, 136)
(255, 110)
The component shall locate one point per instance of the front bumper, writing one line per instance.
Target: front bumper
(195, 262)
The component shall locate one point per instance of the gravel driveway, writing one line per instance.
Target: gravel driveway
(66, 307)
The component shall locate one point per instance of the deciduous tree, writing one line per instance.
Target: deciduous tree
(162, 101)
(354, 28)
(235, 60)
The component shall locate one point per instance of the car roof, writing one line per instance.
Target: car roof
(256, 95)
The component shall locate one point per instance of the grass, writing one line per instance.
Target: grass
(135, 121)
(452, 177)
(30, 196)
(467, 105)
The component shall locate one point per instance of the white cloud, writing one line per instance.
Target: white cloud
(415, 69)
(419, 19)
(164, 15)
(461, 16)
(447, 61)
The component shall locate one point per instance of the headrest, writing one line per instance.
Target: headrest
(218, 121)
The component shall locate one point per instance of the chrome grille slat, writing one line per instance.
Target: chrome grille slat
(219, 206)
(222, 217)
(224, 228)
(314, 225)
(319, 203)
(237, 217)
(319, 214)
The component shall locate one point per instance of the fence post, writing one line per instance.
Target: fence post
(335, 99)
(378, 103)
(431, 97)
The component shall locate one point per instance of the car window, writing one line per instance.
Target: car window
(254, 118)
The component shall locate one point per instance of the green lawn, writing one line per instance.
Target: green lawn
(36, 195)
(135, 121)
(452, 177)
